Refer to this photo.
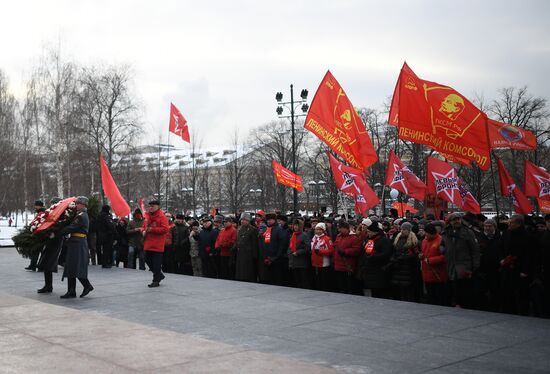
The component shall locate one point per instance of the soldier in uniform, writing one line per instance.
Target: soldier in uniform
(49, 259)
(76, 261)
(38, 208)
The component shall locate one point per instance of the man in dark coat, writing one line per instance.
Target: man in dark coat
(489, 246)
(272, 245)
(461, 251)
(105, 236)
(180, 241)
(49, 260)
(246, 250)
(207, 250)
(518, 249)
(299, 255)
(372, 263)
(76, 260)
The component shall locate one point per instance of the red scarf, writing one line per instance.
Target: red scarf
(267, 235)
(369, 247)
(293, 241)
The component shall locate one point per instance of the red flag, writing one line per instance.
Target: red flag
(537, 181)
(118, 204)
(469, 202)
(178, 124)
(509, 189)
(333, 119)
(286, 177)
(400, 177)
(439, 117)
(442, 180)
(54, 214)
(403, 207)
(502, 135)
(352, 182)
(544, 206)
(142, 206)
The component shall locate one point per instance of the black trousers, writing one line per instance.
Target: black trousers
(71, 284)
(346, 283)
(34, 260)
(463, 292)
(48, 279)
(105, 248)
(301, 277)
(227, 270)
(438, 293)
(323, 278)
(154, 261)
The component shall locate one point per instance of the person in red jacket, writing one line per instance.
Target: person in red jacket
(321, 253)
(224, 242)
(154, 229)
(434, 267)
(347, 249)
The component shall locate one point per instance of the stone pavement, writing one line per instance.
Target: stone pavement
(203, 325)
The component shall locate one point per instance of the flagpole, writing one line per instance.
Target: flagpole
(167, 172)
(492, 155)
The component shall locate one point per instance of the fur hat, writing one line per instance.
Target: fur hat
(38, 203)
(246, 217)
(374, 227)
(154, 202)
(430, 229)
(270, 216)
(406, 226)
(81, 200)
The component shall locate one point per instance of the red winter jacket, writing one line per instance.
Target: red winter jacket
(434, 267)
(326, 248)
(157, 224)
(350, 246)
(225, 240)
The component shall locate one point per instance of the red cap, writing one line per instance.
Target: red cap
(260, 213)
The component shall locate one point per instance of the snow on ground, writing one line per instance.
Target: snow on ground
(6, 232)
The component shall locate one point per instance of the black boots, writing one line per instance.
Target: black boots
(153, 284)
(68, 295)
(45, 289)
(89, 288)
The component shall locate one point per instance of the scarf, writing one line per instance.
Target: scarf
(293, 241)
(318, 242)
(267, 235)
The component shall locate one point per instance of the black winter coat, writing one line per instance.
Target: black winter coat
(246, 250)
(302, 258)
(77, 256)
(105, 228)
(207, 241)
(180, 241)
(372, 268)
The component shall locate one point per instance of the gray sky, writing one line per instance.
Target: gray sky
(221, 62)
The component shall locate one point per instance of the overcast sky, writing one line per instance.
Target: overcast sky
(221, 62)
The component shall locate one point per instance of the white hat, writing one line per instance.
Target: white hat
(366, 221)
(321, 225)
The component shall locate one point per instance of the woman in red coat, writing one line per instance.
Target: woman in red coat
(434, 267)
(321, 255)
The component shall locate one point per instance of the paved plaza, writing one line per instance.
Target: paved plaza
(198, 325)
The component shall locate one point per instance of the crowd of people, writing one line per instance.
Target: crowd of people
(463, 261)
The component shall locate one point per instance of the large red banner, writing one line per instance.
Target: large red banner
(333, 119)
(440, 117)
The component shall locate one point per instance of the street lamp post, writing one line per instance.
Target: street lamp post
(256, 193)
(185, 191)
(292, 106)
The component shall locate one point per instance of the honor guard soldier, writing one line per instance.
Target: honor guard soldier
(76, 261)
